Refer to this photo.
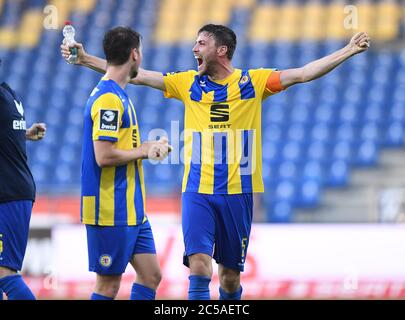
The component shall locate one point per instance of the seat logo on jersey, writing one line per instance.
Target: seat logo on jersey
(109, 120)
(105, 260)
(19, 107)
(219, 113)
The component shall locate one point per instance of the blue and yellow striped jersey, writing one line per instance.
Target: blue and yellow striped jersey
(111, 196)
(222, 138)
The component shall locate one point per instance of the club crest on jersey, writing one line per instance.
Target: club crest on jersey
(109, 120)
(244, 80)
(105, 260)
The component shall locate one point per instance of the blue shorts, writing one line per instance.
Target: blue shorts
(15, 219)
(217, 225)
(110, 249)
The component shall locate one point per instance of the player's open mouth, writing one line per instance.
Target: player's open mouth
(199, 62)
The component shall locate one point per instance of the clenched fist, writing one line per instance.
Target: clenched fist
(156, 150)
(359, 43)
(36, 132)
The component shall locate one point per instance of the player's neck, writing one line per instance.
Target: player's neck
(222, 71)
(120, 74)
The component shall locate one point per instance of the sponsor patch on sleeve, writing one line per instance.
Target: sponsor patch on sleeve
(109, 120)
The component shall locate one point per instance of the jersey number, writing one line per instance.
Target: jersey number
(134, 138)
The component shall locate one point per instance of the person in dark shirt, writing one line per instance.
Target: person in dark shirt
(17, 192)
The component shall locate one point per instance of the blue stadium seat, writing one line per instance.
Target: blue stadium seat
(292, 151)
(313, 171)
(367, 154)
(395, 134)
(309, 194)
(280, 212)
(317, 151)
(338, 174)
(321, 132)
(342, 150)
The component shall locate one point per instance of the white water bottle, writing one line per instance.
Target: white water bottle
(69, 34)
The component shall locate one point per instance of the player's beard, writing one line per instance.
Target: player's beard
(209, 68)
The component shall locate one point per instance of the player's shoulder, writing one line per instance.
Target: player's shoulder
(5, 92)
(183, 73)
(2, 95)
(105, 96)
(261, 70)
(261, 74)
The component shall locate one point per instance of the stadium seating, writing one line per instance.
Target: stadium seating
(314, 135)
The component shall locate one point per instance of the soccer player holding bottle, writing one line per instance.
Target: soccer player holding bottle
(113, 191)
(223, 147)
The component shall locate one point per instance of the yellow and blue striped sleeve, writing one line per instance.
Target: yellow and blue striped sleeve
(106, 114)
(178, 84)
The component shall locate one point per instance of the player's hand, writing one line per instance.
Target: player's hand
(65, 52)
(359, 43)
(156, 150)
(163, 148)
(36, 132)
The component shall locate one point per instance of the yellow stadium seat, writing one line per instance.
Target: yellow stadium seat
(197, 5)
(167, 36)
(388, 21)
(244, 4)
(84, 6)
(8, 38)
(367, 18)
(170, 21)
(219, 13)
(30, 29)
(290, 22)
(173, 5)
(188, 34)
(313, 22)
(168, 18)
(218, 17)
(64, 9)
(335, 28)
(191, 26)
(264, 23)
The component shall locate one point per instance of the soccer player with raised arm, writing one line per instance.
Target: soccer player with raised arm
(17, 192)
(223, 156)
(113, 191)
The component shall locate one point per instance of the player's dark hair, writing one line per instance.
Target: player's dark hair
(118, 43)
(223, 36)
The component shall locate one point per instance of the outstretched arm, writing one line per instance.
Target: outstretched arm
(315, 69)
(149, 78)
